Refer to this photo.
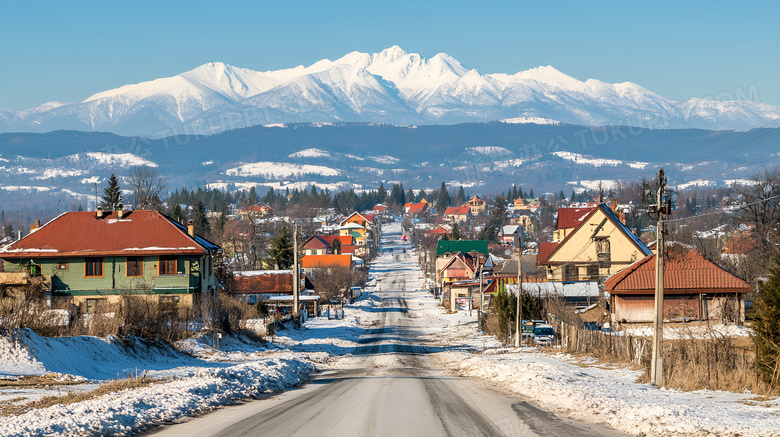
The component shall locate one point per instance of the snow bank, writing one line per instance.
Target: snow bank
(127, 412)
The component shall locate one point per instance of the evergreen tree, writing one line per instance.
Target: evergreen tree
(766, 327)
(455, 234)
(282, 249)
(8, 229)
(382, 192)
(461, 196)
(444, 199)
(177, 213)
(561, 196)
(112, 195)
(201, 222)
(531, 194)
(409, 196)
(573, 196)
(222, 220)
(81, 208)
(335, 247)
(251, 198)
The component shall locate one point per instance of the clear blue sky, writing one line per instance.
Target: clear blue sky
(69, 50)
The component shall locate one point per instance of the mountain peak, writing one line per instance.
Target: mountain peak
(393, 52)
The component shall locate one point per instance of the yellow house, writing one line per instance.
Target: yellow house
(597, 247)
(476, 204)
(356, 218)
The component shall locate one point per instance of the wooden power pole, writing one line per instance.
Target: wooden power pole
(295, 274)
(519, 312)
(661, 208)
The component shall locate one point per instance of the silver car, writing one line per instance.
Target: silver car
(544, 335)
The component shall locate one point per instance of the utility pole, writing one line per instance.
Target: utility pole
(518, 313)
(481, 296)
(661, 207)
(295, 274)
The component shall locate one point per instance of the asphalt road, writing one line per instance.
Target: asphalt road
(390, 389)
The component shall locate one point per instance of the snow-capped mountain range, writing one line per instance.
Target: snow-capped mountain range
(391, 86)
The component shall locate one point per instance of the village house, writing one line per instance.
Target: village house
(595, 244)
(476, 205)
(255, 211)
(694, 289)
(521, 204)
(275, 288)
(457, 214)
(94, 258)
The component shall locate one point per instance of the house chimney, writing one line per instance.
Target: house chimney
(34, 227)
(99, 212)
(120, 212)
(191, 228)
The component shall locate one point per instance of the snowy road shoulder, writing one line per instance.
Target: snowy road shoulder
(584, 390)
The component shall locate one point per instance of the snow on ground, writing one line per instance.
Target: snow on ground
(280, 170)
(586, 390)
(310, 153)
(531, 120)
(688, 332)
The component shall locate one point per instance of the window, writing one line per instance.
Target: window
(134, 266)
(570, 273)
(62, 266)
(167, 265)
(93, 267)
(593, 271)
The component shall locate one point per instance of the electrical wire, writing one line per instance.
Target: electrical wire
(725, 141)
(720, 212)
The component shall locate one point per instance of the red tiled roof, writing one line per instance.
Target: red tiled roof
(545, 250)
(278, 282)
(381, 208)
(316, 242)
(346, 240)
(310, 261)
(685, 270)
(83, 234)
(438, 231)
(457, 210)
(571, 217)
(417, 207)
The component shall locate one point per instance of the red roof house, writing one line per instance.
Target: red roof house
(694, 289)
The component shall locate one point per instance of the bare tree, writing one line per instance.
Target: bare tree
(330, 281)
(147, 186)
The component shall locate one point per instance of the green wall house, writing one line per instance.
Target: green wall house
(93, 258)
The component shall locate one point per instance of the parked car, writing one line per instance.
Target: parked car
(592, 326)
(544, 335)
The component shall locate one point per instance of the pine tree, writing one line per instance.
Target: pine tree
(222, 220)
(561, 196)
(766, 327)
(531, 194)
(444, 198)
(282, 249)
(382, 192)
(177, 213)
(335, 247)
(461, 196)
(420, 196)
(455, 234)
(202, 226)
(409, 196)
(112, 195)
(8, 229)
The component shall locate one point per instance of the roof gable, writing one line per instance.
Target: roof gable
(684, 269)
(581, 238)
(141, 232)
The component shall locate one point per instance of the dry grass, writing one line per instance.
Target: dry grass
(12, 408)
(36, 381)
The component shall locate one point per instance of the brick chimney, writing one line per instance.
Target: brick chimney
(99, 212)
(34, 227)
(120, 212)
(191, 228)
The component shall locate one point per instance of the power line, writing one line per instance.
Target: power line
(721, 212)
(742, 164)
(725, 141)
